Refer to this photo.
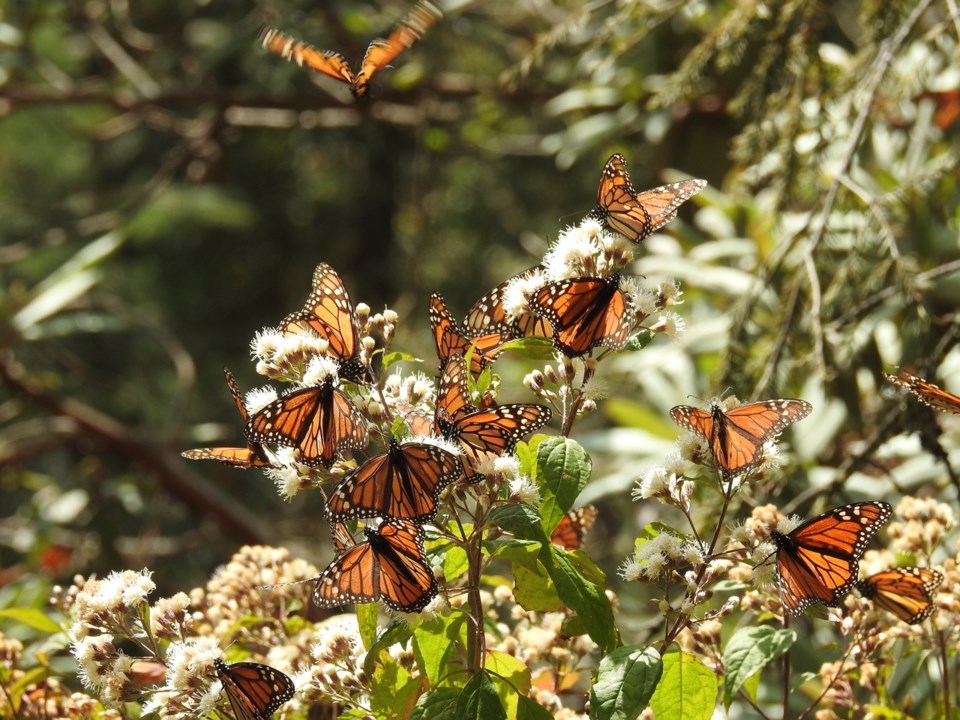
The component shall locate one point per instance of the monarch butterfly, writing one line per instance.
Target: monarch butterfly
(586, 312)
(329, 313)
(255, 691)
(818, 561)
(380, 53)
(450, 338)
(319, 421)
(636, 215)
(927, 392)
(253, 455)
(488, 313)
(569, 532)
(485, 433)
(736, 437)
(390, 566)
(403, 482)
(906, 592)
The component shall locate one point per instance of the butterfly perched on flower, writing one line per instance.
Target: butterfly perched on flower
(319, 421)
(576, 523)
(818, 561)
(451, 339)
(736, 437)
(636, 215)
(586, 312)
(906, 592)
(489, 313)
(380, 53)
(403, 482)
(253, 455)
(329, 314)
(482, 433)
(928, 393)
(390, 566)
(255, 691)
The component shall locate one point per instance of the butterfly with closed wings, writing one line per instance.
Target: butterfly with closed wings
(329, 314)
(586, 312)
(255, 691)
(451, 339)
(319, 421)
(569, 532)
(391, 566)
(489, 313)
(736, 437)
(928, 393)
(403, 482)
(818, 561)
(253, 455)
(380, 53)
(637, 215)
(906, 592)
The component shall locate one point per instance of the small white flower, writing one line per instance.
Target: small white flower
(575, 248)
(517, 293)
(693, 552)
(595, 389)
(654, 482)
(670, 292)
(319, 369)
(258, 398)
(671, 324)
(524, 490)
(286, 476)
(788, 525)
(654, 566)
(645, 301)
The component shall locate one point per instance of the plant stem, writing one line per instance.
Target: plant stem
(944, 673)
(786, 671)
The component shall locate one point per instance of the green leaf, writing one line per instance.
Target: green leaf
(581, 595)
(479, 699)
(563, 470)
(437, 704)
(527, 709)
(367, 614)
(639, 341)
(514, 516)
(749, 651)
(435, 644)
(398, 632)
(33, 618)
(511, 677)
(393, 690)
(455, 562)
(535, 348)
(687, 689)
(394, 357)
(625, 683)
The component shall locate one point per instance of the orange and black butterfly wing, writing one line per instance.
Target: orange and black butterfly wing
(381, 53)
(569, 532)
(819, 560)
(352, 578)
(492, 432)
(403, 482)
(488, 315)
(255, 691)
(905, 592)
(586, 312)
(406, 581)
(928, 393)
(305, 55)
(450, 339)
(453, 392)
(253, 455)
(637, 215)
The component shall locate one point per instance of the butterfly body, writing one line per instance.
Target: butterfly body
(390, 566)
(905, 592)
(818, 561)
(255, 691)
(586, 312)
(403, 482)
(253, 455)
(379, 54)
(319, 421)
(636, 215)
(736, 437)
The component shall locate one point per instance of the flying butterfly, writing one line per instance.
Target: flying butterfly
(255, 691)
(483, 433)
(253, 455)
(403, 482)
(319, 421)
(736, 437)
(586, 312)
(488, 313)
(906, 592)
(928, 393)
(569, 532)
(390, 566)
(380, 53)
(451, 339)
(329, 313)
(637, 215)
(818, 561)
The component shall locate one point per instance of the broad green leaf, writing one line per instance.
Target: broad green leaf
(639, 341)
(749, 651)
(398, 632)
(535, 348)
(479, 700)
(563, 471)
(527, 709)
(511, 677)
(687, 689)
(367, 614)
(437, 704)
(581, 595)
(394, 357)
(435, 643)
(33, 618)
(514, 516)
(393, 690)
(455, 562)
(625, 683)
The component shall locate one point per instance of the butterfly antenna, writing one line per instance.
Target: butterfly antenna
(283, 584)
